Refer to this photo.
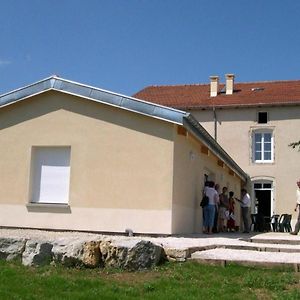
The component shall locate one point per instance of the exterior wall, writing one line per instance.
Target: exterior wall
(121, 165)
(234, 128)
(190, 165)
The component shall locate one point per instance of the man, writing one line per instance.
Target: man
(245, 206)
(297, 226)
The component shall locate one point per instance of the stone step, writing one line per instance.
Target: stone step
(222, 256)
(264, 248)
(281, 241)
(182, 254)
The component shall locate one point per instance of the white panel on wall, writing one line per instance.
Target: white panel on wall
(50, 174)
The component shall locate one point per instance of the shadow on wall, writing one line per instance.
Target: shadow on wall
(51, 101)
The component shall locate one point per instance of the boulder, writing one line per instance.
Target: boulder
(37, 253)
(68, 252)
(91, 254)
(11, 248)
(173, 254)
(130, 254)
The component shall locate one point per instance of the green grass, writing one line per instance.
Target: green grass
(170, 281)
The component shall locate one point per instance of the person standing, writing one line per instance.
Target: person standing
(245, 206)
(223, 207)
(231, 218)
(210, 209)
(215, 227)
(297, 226)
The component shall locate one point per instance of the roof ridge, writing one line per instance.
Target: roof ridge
(175, 85)
(268, 81)
(221, 83)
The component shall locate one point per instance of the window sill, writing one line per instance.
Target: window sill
(263, 162)
(48, 207)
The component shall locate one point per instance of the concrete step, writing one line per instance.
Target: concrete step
(275, 241)
(184, 253)
(275, 238)
(222, 256)
(263, 248)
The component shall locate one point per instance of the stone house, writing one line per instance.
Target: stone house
(75, 157)
(254, 122)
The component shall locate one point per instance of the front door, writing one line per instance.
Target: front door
(263, 196)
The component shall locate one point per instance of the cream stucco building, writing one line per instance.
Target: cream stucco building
(80, 158)
(254, 122)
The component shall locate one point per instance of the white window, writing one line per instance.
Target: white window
(263, 147)
(50, 175)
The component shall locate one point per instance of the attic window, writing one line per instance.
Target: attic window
(262, 117)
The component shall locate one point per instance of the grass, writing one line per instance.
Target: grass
(170, 281)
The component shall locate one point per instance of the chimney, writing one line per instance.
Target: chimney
(214, 85)
(229, 83)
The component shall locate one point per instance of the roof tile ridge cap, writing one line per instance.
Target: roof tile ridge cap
(175, 85)
(267, 81)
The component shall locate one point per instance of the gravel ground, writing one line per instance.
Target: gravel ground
(176, 242)
(44, 234)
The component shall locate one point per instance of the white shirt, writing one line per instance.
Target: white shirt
(212, 194)
(246, 201)
(298, 196)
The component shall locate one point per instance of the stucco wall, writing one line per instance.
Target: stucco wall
(121, 165)
(190, 165)
(234, 129)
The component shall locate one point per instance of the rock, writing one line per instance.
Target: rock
(11, 248)
(37, 253)
(143, 255)
(174, 254)
(130, 254)
(127, 253)
(68, 252)
(91, 254)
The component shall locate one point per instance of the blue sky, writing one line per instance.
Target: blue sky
(124, 46)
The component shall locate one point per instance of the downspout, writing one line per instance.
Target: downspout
(214, 87)
(215, 123)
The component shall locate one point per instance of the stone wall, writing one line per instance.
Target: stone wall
(131, 254)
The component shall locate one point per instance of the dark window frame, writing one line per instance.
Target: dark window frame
(262, 117)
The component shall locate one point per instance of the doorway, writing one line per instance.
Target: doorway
(263, 195)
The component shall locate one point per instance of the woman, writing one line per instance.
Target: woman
(210, 209)
(231, 221)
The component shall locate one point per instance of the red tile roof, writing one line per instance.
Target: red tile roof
(245, 94)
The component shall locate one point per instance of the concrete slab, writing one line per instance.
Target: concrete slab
(247, 257)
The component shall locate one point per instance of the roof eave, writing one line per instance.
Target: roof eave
(193, 126)
(95, 94)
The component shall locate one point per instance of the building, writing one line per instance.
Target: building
(254, 122)
(75, 157)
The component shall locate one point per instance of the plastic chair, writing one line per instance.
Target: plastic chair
(284, 223)
(287, 224)
(280, 223)
(274, 222)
